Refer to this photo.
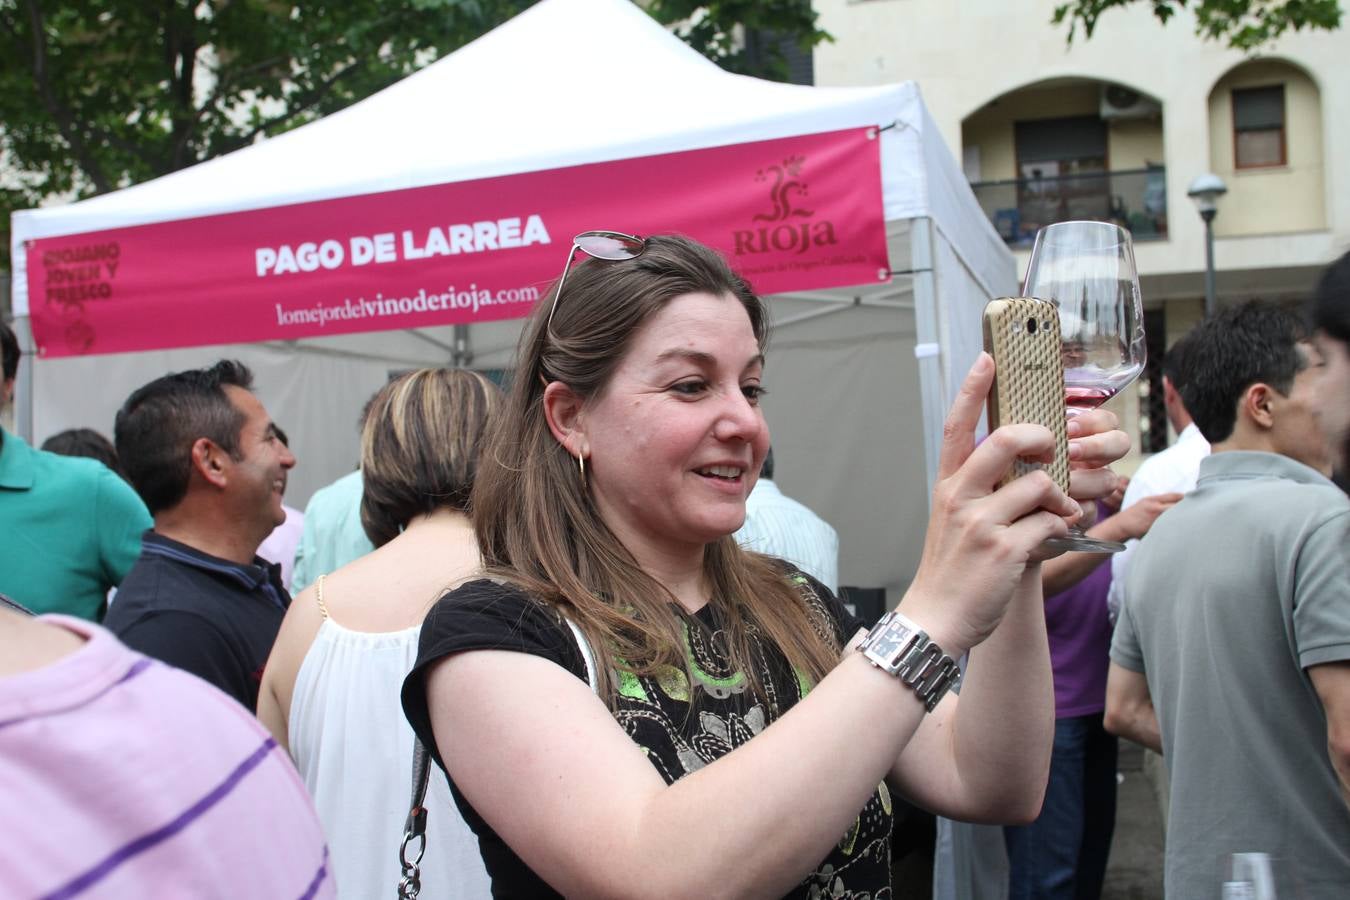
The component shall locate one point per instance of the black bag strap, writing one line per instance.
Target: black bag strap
(415, 826)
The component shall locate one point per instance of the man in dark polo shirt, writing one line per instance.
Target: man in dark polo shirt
(199, 448)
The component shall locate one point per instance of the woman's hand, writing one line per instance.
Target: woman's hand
(980, 537)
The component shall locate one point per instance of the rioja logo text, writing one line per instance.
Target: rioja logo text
(790, 234)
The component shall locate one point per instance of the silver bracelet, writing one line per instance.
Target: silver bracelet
(899, 647)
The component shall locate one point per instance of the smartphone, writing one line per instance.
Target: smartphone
(1022, 335)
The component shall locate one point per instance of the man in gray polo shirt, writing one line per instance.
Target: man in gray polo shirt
(1232, 653)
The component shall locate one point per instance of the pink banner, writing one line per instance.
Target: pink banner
(798, 213)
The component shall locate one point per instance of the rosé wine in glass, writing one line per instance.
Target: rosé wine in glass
(1087, 270)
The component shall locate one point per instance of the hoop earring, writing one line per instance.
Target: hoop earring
(581, 464)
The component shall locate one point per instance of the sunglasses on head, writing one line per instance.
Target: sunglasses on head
(609, 245)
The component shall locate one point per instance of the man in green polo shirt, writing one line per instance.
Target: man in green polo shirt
(69, 528)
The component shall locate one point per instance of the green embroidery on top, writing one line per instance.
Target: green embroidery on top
(804, 684)
(850, 838)
(631, 686)
(685, 718)
(719, 687)
(673, 683)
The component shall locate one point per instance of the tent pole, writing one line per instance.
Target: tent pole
(23, 392)
(928, 346)
(462, 354)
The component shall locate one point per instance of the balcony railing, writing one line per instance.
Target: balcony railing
(1135, 199)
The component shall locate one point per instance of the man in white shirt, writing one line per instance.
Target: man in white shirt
(1169, 471)
(777, 525)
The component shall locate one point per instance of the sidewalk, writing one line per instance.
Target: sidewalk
(1134, 871)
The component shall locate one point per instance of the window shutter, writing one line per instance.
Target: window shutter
(1256, 109)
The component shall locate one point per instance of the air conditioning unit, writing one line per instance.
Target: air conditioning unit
(1120, 102)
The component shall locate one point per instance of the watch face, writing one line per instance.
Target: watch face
(893, 640)
(903, 650)
(889, 639)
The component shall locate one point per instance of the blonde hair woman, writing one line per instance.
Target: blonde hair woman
(724, 738)
(330, 691)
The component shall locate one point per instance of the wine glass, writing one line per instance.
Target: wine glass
(1258, 876)
(1087, 270)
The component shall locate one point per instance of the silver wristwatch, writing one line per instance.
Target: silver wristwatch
(901, 648)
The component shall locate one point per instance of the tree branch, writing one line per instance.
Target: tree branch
(226, 82)
(182, 51)
(60, 114)
(313, 99)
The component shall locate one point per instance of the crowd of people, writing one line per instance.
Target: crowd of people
(623, 649)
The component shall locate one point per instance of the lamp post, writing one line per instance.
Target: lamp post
(1206, 190)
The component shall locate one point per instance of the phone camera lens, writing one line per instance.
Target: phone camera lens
(1031, 326)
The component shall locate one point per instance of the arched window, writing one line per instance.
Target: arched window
(1068, 148)
(1258, 127)
(1266, 143)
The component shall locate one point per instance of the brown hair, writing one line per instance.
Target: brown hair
(155, 429)
(538, 527)
(420, 446)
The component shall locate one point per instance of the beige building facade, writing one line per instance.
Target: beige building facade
(1117, 126)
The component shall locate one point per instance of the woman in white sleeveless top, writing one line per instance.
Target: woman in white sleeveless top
(330, 692)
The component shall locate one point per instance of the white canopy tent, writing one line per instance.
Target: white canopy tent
(860, 378)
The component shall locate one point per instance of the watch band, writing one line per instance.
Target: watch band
(899, 647)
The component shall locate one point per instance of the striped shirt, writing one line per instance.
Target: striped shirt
(777, 525)
(121, 776)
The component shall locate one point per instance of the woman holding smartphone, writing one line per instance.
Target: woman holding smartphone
(633, 706)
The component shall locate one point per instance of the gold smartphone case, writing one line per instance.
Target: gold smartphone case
(1022, 335)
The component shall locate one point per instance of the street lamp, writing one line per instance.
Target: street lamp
(1206, 190)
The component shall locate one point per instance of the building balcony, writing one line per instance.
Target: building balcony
(1135, 199)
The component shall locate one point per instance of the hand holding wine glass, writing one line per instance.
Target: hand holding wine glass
(1087, 270)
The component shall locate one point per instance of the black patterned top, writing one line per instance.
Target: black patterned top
(680, 727)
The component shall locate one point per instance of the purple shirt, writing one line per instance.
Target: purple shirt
(1079, 625)
(121, 776)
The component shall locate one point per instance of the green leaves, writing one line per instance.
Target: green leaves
(725, 31)
(100, 94)
(1245, 25)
